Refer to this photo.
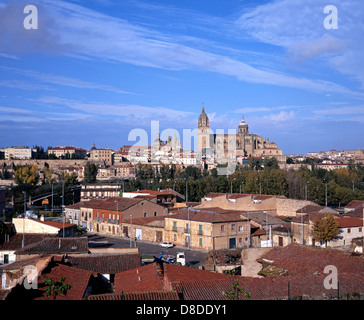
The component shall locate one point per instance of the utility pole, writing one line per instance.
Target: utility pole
(25, 212)
(131, 228)
(63, 206)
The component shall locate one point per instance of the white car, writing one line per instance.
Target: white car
(167, 245)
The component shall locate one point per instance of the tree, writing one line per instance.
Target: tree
(325, 228)
(55, 288)
(236, 292)
(90, 174)
(27, 175)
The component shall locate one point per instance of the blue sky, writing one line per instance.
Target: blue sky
(95, 70)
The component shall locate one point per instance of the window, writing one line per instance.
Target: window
(145, 214)
(200, 241)
(360, 229)
(240, 240)
(240, 228)
(200, 229)
(175, 237)
(174, 225)
(349, 230)
(222, 228)
(187, 226)
(155, 213)
(233, 226)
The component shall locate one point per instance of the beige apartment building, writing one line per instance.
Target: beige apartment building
(63, 151)
(18, 153)
(104, 155)
(209, 229)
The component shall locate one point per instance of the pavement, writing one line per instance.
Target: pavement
(194, 257)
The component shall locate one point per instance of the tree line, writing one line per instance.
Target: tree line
(336, 187)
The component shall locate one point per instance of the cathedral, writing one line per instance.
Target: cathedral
(246, 144)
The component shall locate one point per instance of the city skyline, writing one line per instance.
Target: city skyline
(94, 71)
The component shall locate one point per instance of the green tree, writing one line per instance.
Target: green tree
(90, 173)
(55, 288)
(235, 292)
(325, 228)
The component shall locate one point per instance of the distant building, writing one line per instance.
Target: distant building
(102, 155)
(2, 203)
(247, 144)
(18, 153)
(71, 151)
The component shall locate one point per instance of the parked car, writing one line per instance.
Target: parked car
(167, 244)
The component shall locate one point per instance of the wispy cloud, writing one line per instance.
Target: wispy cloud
(57, 80)
(298, 27)
(121, 110)
(92, 34)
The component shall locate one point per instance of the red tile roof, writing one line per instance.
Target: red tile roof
(108, 264)
(121, 204)
(78, 279)
(349, 222)
(298, 260)
(145, 278)
(141, 295)
(54, 224)
(15, 241)
(208, 215)
(271, 288)
(355, 204)
(56, 246)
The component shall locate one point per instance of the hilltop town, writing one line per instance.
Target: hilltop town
(106, 225)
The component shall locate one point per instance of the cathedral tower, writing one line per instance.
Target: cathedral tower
(203, 135)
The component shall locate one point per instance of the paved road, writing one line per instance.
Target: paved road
(194, 258)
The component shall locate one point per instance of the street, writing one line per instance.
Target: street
(194, 258)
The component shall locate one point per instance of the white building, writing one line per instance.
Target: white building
(19, 153)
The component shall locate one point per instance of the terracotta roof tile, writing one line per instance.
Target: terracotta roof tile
(56, 246)
(15, 241)
(110, 264)
(145, 278)
(77, 278)
(298, 260)
(140, 295)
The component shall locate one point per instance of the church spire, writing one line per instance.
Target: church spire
(203, 120)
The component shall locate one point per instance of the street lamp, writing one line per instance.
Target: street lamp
(306, 189)
(266, 225)
(231, 186)
(63, 206)
(325, 192)
(131, 228)
(25, 212)
(240, 186)
(301, 224)
(248, 231)
(117, 214)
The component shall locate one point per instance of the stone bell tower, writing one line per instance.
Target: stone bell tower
(203, 135)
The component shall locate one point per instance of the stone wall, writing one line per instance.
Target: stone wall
(288, 207)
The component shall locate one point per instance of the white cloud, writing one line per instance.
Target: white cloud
(92, 34)
(123, 110)
(283, 116)
(55, 79)
(298, 27)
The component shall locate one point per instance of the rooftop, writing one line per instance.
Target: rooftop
(56, 246)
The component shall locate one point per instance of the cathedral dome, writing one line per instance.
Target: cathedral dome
(243, 123)
(203, 119)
